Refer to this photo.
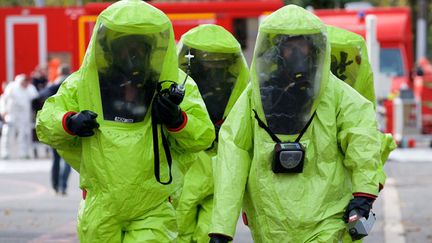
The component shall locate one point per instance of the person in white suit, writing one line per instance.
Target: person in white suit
(16, 112)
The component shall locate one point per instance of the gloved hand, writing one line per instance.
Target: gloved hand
(166, 112)
(362, 205)
(219, 239)
(82, 123)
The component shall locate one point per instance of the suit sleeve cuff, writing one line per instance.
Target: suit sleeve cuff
(229, 238)
(84, 193)
(362, 194)
(182, 125)
(65, 117)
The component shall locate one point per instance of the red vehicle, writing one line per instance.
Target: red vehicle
(35, 35)
(406, 120)
(423, 90)
(393, 33)
(31, 35)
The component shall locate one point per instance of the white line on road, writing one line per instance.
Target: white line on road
(393, 228)
(418, 155)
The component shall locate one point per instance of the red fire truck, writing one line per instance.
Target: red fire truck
(32, 36)
(407, 104)
(393, 33)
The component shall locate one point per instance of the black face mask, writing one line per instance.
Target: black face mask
(284, 106)
(216, 104)
(215, 85)
(137, 79)
(130, 56)
(217, 94)
(290, 101)
(286, 67)
(296, 67)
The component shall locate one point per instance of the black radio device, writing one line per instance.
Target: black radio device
(288, 156)
(176, 92)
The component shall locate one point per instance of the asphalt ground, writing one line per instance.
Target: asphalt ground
(31, 212)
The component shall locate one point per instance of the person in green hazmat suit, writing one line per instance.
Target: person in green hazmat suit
(221, 73)
(350, 63)
(302, 149)
(126, 128)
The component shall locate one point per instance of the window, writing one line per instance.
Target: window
(391, 62)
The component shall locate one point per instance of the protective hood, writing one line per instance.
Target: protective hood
(20, 78)
(120, 159)
(290, 68)
(350, 62)
(337, 162)
(132, 48)
(218, 67)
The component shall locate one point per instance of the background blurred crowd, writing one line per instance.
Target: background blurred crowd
(19, 103)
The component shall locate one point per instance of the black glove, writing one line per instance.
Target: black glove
(166, 112)
(219, 239)
(362, 205)
(82, 123)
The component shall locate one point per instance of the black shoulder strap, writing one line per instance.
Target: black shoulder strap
(266, 128)
(168, 155)
(156, 152)
(273, 136)
(305, 128)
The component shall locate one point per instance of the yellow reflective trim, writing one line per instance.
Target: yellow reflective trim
(192, 16)
(82, 21)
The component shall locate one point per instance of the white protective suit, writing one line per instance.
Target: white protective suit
(17, 114)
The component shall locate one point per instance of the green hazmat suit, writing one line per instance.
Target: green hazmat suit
(342, 152)
(125, 203)
(350, 63)
(195, 205)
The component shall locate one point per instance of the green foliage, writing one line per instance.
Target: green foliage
(16, 3)
(29, 3)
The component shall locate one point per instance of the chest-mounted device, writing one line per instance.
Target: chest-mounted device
(288, 156)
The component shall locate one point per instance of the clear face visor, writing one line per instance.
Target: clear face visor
(215, 74)
(129, 67)
(289, 70)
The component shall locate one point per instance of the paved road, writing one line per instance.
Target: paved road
(30, 212)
